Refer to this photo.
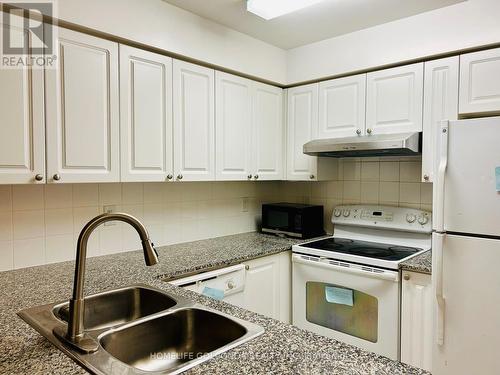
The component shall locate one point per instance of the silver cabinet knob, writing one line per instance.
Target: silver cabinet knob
(358, 131)
(179, 177)
(169, 176)
(426, 177)
(406, 277)
(311, 177)
(231, 284)
(249, 176)
(39, 177)
(256, 176)
(369, 131)
(56, 177)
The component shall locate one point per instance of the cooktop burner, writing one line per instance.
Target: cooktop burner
(364, 248)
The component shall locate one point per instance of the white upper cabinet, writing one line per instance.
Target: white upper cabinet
(22, 139)
(302, 127)
(233, 124)
(480, 82)
(394, 100)
(83, 110)
(146, 115)
(440, 103)
(268, 132)
(194, 122)
(342, 107)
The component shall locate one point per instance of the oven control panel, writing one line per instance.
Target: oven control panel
(387, 217)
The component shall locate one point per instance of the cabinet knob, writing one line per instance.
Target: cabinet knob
(179, 177)
(249, 176)
(369, 131)
(247, 267)
(256, 176)
(56, 177)
(426, 177)
(311, 177)
(406, 277)
(358, 131)
(169, 176)
(39, 177)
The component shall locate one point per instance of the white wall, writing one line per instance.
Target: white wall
(464, 25)
(159, 24)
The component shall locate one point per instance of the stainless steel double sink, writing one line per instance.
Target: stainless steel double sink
(143, 330)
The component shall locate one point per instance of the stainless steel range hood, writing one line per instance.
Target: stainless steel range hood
(406, 144)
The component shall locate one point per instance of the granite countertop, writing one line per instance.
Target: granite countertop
(421, 263)
(282, 348)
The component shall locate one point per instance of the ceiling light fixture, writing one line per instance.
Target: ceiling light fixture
(269, 9)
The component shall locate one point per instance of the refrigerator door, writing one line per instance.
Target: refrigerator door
(471, 196)
(471, 324)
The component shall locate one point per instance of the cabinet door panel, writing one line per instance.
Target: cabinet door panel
(194, 123)
(342, 107)
(146, 115)
(22, 134)
(302, 127)
(82, 110)
(480, 82)
(394, 100)
(440, 103)
(268, 133)
(233, 122)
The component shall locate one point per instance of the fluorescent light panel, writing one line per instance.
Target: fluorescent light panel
(269, 9)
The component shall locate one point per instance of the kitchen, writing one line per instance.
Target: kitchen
(187, 125)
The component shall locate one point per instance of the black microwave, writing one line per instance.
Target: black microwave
(293, 219)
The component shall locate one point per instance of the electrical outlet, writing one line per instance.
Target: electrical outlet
(244, 205)
(109, 210)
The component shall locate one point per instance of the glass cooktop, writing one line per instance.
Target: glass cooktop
(364, 248)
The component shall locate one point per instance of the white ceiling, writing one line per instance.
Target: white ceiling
(321, 21)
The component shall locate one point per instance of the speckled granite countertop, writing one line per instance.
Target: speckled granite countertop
(421, 263)
(281, 349)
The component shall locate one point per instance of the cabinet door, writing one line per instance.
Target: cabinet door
(268, 134)
(22, 138)
(194, 122)
(480, 82)
(146, 115)
(83, 110)
(342, 107)
(416, 320)
(233, 122)
(302, 124)
(262, 286)
(440, 103)
(394, 100)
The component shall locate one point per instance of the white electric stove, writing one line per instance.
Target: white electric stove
(347, 286)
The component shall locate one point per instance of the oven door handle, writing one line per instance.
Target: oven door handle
(385, 275)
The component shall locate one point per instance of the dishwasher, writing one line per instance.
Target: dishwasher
(226, 284)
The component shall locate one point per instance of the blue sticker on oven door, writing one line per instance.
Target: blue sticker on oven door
(214, 293)
(341, 296)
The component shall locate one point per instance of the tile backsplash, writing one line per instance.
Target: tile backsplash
(40, 224)
(385, 181)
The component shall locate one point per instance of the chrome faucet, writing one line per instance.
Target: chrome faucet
(75, 335)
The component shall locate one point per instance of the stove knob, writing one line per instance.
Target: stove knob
(337, 212)
(423, 219)
(346, 213)
(411, 218)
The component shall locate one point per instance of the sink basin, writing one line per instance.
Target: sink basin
(118, 306)
(172, 341)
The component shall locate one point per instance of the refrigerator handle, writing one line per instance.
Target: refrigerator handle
(437, 276)
(443, 162)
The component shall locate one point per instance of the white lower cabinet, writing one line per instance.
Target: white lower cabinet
(416, 320)
(82, 110)
(268, 286)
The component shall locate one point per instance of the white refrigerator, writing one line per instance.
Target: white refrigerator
(466, 248)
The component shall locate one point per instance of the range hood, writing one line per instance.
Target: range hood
(406, 144)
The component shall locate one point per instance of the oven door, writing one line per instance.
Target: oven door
(355, 304)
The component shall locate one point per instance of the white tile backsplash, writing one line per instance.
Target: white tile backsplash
(40, 223)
